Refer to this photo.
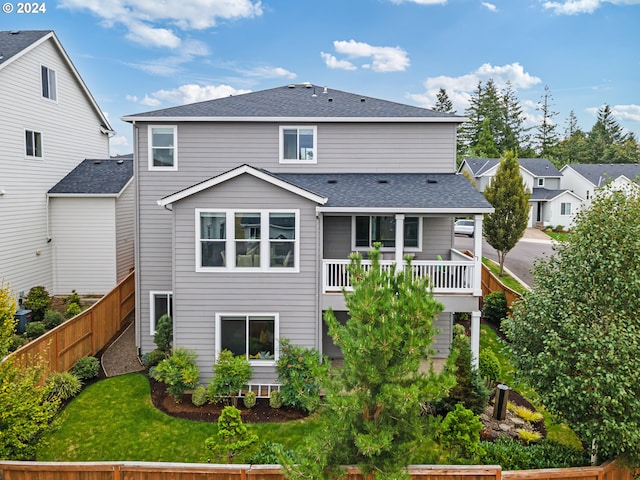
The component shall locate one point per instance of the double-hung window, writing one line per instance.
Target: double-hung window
(33, 144)
(298, 144)
(382, 229)
(49, 89)
(163, 147)
(253, 336)
(256, 239)
(160, 303)
(565, 208)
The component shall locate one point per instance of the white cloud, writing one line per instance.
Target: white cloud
(270, 72)
(421, 2)
(574, 7)
(184, 94)
(490, 6)
(141, 16)
(627, 112)
(119, 141)
(171, 65)
(383, 59)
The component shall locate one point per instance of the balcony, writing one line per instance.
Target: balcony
(445, 276)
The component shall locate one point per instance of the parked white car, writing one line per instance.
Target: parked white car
(464, 227)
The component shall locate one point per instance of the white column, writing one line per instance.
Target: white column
(475, 338)
(477, 256)
(399, 241)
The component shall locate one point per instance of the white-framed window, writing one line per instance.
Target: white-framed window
(298, 144)
(48, 81)
(369, 229)
(163, 147)
(565, 208)
(33, 144)
(252, 335)
(241, 240)
(541, 182)
(160, 303)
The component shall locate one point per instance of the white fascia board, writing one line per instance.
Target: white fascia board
(83, 195)
(235, 173)
(399, 209)
(133, 118)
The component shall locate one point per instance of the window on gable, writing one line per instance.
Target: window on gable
(565, 208)
(33, 144)
(382, 228)
(161, 304)
(49, 83)
(298, 144)
(163, 148)
(253, 336)
(541, 182)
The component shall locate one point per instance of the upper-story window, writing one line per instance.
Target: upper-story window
(33, 144)
(163, 147)
(541, 182)
(298, 144)
(382, 229)
(241, 239)
(49, 83)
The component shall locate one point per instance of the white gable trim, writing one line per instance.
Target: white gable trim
(212, 182)
(158, 119)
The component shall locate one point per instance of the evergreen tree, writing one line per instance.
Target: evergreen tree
(510, 199)
(443, 103)
(546, 136)
(573, 148)
(513, 134)
(486, 146)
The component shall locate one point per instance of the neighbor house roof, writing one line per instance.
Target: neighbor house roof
(601, 173)
(301, 102)
(538, 167)
(106, 177)
(15, 43)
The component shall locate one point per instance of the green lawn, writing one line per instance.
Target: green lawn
(114, 419)
(561, 237)
(507, 279)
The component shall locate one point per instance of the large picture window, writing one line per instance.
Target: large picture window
(298, 144)
(161, 303)
(382, 228)
(258, 240)
(163, 152)
(253, 336)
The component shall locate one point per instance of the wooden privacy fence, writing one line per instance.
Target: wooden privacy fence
(83, 335)
(491, 283)
(173, 471)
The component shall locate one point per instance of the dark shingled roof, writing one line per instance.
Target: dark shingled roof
(539, 167)
(390, 190)
(298, 101)
(96, 177)
(14, 41)
(542, 194)
(601, 173)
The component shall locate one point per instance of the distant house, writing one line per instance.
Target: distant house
(551, 203)
(91, 211)
(585, 179)
(49, 123)
(249, 207)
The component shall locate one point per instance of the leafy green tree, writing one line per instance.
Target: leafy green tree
(230, 374)
(8, 310)
(232, 437)
(443, 102)
(373, 401)
(576, 336)
(510, 199)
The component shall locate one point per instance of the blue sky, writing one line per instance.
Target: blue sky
(142, 55)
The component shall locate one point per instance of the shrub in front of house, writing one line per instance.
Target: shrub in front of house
(489, 366)
(249, 399)
(73, 309)
(163, 337)
(275, 400)
(494, 308)
(38, 301)
(179, 372)
(296, 369)
(63, 385)
(272, 453)
(230, 374)
(52, 319)
(199, 396)
(153, 358)
(34, 330)
(86, 368)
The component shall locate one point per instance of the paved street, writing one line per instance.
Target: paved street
(519, 261)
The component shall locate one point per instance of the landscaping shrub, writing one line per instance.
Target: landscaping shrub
(513, 455)
(86, 368)
(73, 298)
(63, 385)
(275, 400)
(52, 319)
(38, 301)
(524, 413)
(163, 338)
(296, 367)
(230, 374)
(494, 308)
(34, 330)
(15, 342)
(249, 399)
(232, 436)
(199, 396)
(527, 436)
(272, 453)
(460, 434)
(153, 358)
(179, 371)
(73, 309)
(489, 365)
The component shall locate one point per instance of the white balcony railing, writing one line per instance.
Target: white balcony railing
(444, 276)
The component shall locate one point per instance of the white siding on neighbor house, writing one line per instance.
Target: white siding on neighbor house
(572, 180)
(70, 131)
(84, 250)
(125, 232)
(199, 296)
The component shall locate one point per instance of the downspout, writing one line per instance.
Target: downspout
(319, 280)
(136, 246)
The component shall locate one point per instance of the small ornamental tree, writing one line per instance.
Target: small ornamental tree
(232, 437)
(230, 374)
(576, 335)
(179, 372)
(510, 198)
(163, 337)
(38, 301)
(373, 402)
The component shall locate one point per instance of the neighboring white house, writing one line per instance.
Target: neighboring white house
(585, 179)
(551, 203)
(49, 123)
(91, 212)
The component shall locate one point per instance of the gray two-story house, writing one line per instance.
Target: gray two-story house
(249, 206)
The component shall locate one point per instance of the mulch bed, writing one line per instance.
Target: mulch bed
(260, 413)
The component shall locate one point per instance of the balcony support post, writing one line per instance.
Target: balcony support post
(475, 338)
(477, 256)
(399, 241)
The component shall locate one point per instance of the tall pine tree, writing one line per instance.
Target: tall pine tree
(546, 136)
(443, 102)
